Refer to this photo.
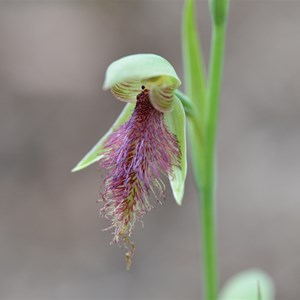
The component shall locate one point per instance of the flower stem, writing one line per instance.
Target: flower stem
(210, 279)
(186, 103)
(207, 203)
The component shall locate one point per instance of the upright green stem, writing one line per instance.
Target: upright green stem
(210, 275)
(203, 117)
(208, 211)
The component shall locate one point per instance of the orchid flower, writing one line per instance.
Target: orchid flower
(146, 141)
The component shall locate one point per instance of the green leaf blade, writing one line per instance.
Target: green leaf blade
(176, 122)
(95, 153)
(249, 285)
(195, 78)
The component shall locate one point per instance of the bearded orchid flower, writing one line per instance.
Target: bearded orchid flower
(146, 141)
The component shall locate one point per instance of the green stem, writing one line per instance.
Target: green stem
(202, 110)
(210, 279)
(208, 198)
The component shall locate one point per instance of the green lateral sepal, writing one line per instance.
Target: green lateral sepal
(176, 122)
(95, 153)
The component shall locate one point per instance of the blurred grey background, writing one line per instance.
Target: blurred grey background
(53, 56)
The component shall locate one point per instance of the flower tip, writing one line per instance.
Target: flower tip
(128, 258)
(178, 190)
(81, 165)
(75, 169)
(106, 85)
(178, 198)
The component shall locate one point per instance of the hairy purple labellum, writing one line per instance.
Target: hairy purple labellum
(135, 155)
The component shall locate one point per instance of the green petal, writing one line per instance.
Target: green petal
(138, 67)
(127, 91)
(162, 99)
(176, 123)
(249, 285)
(95, 153)
(161, 92)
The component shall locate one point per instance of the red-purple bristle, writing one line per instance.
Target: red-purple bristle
(135, 155)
